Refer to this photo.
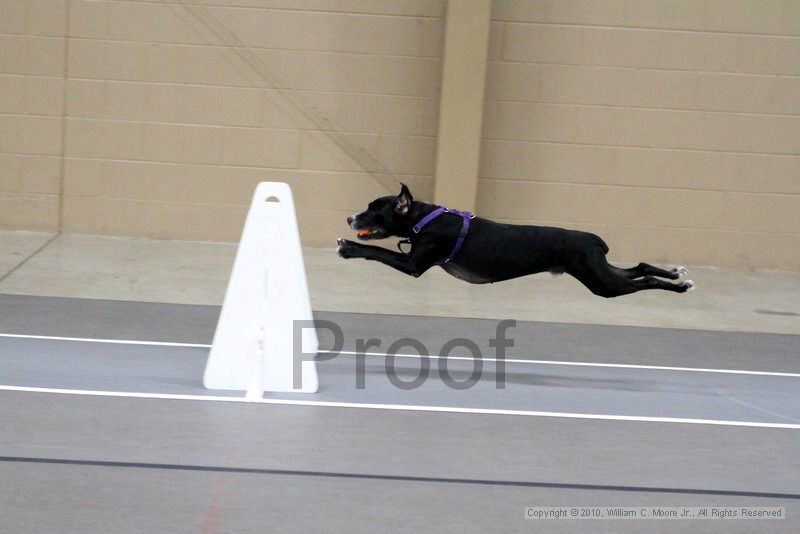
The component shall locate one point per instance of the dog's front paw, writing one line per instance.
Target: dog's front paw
(689, 285)
(346, 249)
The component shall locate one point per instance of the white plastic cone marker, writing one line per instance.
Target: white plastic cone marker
(253, 347)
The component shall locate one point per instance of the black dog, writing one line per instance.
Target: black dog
(491, 251)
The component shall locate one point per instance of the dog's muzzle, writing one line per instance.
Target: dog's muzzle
(365, 231)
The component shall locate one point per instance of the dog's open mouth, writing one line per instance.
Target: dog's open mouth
(371, 233)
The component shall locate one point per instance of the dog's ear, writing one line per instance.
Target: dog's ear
(404, 200)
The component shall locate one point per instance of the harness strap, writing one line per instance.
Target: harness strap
(401, 243)
(428, 218)
(462, 235)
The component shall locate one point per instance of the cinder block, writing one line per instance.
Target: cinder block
(319, 151)
(621, 47)
(408, 155)
(87, 100)
(155, 23)
(46, 17)
(748, 94)
(29, 174)
(212, 65)
(104, 139)
(543, 43)
(769, 55)
(30, 212)
(675, 14)
(30, 135)
(515, 81)
(106, 60)
(387, 114)
(278, 110)
(780, 17)
(602, 12)
(38, 56)
(260, 148)
(179, 143)
(13, 16)
(44, 96)
(712, 52)
(13, 94)
(225, 106)
(87, 19)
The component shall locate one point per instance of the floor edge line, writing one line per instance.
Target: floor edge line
(404, 407)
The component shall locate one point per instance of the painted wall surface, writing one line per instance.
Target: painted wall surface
(671, 128)
(173, 111)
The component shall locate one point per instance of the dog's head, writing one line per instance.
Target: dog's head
(384, 217)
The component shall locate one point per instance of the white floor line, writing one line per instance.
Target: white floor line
(109, 341)
(592, 364)
(404, 407)
(433, 356)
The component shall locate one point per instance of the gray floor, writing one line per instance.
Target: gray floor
(517, 386)
(76, 463)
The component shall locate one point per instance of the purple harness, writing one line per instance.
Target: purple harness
(465, 216)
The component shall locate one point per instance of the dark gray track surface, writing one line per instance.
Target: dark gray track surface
(542, 341)
(525, 386)
(102, 464)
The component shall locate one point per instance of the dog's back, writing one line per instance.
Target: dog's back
(498, 251)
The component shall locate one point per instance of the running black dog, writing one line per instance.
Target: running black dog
(479, 250)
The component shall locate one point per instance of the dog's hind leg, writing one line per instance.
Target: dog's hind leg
(593, 271)
(645, 269)
(605, 280)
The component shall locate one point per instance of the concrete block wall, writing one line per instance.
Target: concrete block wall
(167, 128)
(32, 48)
(671, 128)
